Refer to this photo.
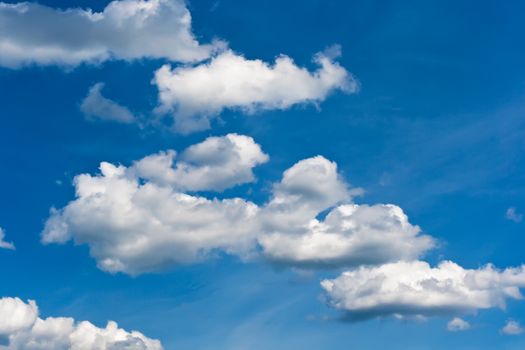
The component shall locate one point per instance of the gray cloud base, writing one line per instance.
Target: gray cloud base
(130, 29)
(414, 288)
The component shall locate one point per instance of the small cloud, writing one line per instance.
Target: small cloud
(512, 328)
(3, 243)
(97, 107)
(513, 215)
(457, 325)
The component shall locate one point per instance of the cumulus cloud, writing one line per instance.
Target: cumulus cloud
(417, 289)
(513, 215)
(458, 325)
(129, 29)
(97, 107)
(197, 94)
(23, 329)
(350, 235)
(16, 315)
(139, 219)
(3, 243)
(215, 164)
(512, 328)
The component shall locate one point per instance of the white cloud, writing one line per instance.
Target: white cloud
(197, 94)
(216, 164)
(513, 215)
(97, 107)
(458, 325)
(3, 243)
(417, 289)
(350, 235)
(139, 219)
(15, 315)
(127, 29)
(22, 329)
(137, 228)
(512, 328)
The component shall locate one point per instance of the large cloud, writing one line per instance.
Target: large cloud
(22, 329)
(3, 243)
(197, 94)
(417, 289)
(129, 29)
(139, 219)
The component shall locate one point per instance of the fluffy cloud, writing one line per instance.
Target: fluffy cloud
(22, 329)
(16, 315)
(127, 29)
(458, 325)
(350, 235)
(512, 328)
(417, 289)
(197, 94)
(138, 219)
(3, 243)
(216, 164)
(97, 107)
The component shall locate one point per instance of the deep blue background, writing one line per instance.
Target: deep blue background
(437, 128)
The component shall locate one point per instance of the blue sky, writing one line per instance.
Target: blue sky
(437, 128)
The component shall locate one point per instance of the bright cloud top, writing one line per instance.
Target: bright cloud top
(129, 29)
(417, 289)
(197, 94)
(216, 164)
(23, 329)
(139, 219)
(97, 107)
(3, 243)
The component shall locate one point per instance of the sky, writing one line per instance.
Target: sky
(227, 174)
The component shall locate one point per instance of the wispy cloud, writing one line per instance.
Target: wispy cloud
(513, 215)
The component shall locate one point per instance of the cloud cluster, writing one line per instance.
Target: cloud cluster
(196, 94)
(417, 289)
(129, 29)
(22, 329)
(97, 107)
(141, 218)
(3, 243)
